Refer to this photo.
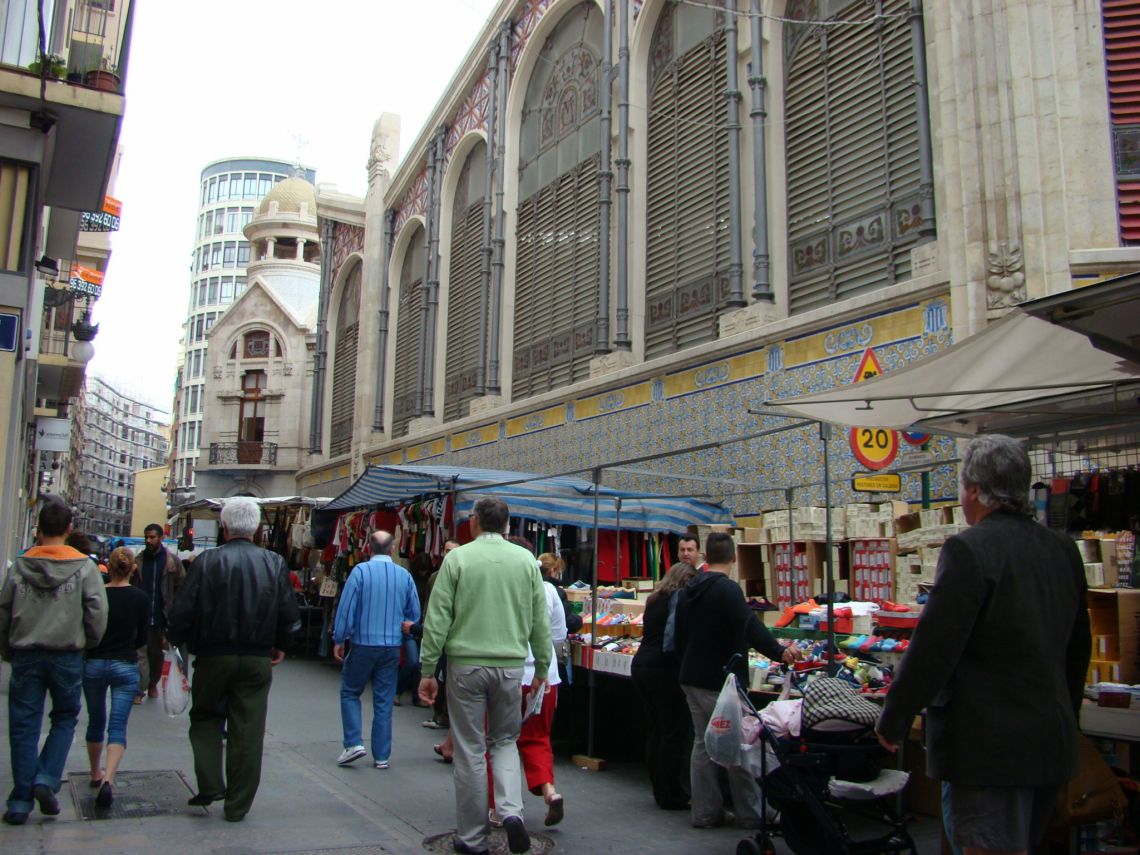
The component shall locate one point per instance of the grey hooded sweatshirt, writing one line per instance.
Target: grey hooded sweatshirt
(52, 599)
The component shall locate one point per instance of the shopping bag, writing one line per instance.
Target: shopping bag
(724, 735)
(175, 687)
(1093, 795)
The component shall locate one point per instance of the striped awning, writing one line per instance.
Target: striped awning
(552, 500)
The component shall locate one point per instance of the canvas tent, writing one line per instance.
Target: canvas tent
(1066, 363)
(557, 500)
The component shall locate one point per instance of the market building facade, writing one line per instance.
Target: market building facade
(644, 219)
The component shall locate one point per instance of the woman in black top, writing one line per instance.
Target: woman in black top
(654, 672)
(114, 665)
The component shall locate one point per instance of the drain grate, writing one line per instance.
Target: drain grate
(137, 794)
(496, 843)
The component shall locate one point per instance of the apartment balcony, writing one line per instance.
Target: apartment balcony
(62, 363)
(246, 454)
(74, 95)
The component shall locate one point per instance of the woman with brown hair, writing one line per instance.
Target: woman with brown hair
(114, 665)
(654, 671)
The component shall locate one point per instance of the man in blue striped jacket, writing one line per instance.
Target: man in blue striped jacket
(377, 605)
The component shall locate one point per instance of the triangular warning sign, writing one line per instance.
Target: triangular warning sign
(868, 367)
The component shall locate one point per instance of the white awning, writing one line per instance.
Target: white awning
(1021, 375)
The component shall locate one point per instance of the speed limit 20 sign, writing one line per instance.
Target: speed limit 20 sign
(875, 448)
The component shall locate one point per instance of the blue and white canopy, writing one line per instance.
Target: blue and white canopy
(553, 500)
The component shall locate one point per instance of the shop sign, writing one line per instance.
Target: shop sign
(875, 448)
(917, 460)
(882, 482)
(53, 434)
(106, 220)
(85, 281)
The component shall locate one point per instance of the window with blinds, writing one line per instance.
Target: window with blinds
(464, 287)
(687, 235)
(1122, 63)
(409, 309)
(852, 156)
(557, 224)
(344, 365)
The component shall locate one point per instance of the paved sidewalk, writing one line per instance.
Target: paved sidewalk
(307, 803)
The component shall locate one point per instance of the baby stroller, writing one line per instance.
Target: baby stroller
(821, 774)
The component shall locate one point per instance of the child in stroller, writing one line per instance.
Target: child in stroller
(826, 772)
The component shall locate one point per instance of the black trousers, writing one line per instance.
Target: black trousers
(667, 741)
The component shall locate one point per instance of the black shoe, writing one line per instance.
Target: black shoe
(49, 804)
(15, 817)
(518, 839)
(105, 796)
(459, 846)
(205, 799)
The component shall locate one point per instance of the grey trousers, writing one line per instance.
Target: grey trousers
(478, 694)
(707, 803)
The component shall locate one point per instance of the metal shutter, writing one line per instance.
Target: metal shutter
(1122, 63)
(852, 157)
(408, 309)
(687, 246)
(344, 366)
(556, 282)
(464, 289)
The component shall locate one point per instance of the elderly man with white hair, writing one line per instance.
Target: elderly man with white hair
(237, 612)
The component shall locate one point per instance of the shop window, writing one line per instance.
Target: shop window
(408, 316)
(557, 256)
(852, 154)
(465, 307)
(344, 365)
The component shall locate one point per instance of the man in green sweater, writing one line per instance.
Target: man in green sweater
(487, 605)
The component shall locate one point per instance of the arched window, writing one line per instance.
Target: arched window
(344, 365)
(409, 310)
(557, 257)
(465, 286)
(852, 154)
(687, 235)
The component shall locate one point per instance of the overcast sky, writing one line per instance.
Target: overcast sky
(245, 78)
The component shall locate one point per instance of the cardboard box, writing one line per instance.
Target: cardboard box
(1116, 612)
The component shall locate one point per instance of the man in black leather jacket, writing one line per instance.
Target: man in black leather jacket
(237, 612)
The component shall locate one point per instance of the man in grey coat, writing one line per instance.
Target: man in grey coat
(998, 660)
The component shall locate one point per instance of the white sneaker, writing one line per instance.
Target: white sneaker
(350, 754)
(381, 764)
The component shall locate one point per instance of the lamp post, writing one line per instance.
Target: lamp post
(84, 332)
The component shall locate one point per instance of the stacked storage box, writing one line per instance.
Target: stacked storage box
(1114, 617)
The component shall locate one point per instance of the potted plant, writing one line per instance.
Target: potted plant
(104, 78)
(55, 64)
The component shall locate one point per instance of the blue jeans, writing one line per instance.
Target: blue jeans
(411, 652)
(36, 673)
(122, 678)
(380, 665)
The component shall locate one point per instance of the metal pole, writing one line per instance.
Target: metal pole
(488, 218)
(732, 96)
(385, 297)
(317, 410)
(605, 179)
(500, 214)
(761, 282)
(922, 108)
(829, 568)
(621, 334)
(429, 207)
(433, 275)
(617, 547)
(592, 682)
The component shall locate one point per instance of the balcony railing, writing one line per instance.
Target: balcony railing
(243, 453)
(87, 41)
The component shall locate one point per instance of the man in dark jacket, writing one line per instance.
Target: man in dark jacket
(158, 573)
(237, 612)
(714, 623)
(998, 660)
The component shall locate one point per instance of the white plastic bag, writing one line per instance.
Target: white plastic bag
(724, 735)
(175, 687)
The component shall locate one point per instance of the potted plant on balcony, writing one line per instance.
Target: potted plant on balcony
(55, 64)
(104, 78)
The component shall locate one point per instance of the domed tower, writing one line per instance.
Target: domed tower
(285, 250)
